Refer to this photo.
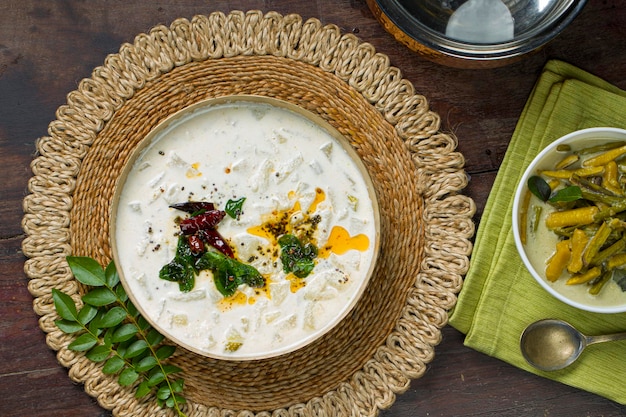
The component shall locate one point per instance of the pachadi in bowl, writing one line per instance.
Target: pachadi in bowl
(569, 219)
(244, 228)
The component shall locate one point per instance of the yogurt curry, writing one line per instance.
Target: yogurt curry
(245, 230)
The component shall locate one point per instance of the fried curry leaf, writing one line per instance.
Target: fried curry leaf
(539, 187)
(571, 193)
(234, 208)
(296, 257)
(229, 273)
(181, 269)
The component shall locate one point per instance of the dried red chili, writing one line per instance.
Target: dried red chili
(212, 237)
(200, 228)
(196, 244)
(203, 221)
(194, 206)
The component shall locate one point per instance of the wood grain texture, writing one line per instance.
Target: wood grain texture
(46, 48)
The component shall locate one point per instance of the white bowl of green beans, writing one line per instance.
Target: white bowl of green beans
(569, 219)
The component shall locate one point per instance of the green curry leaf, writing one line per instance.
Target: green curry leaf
(571, 193)
(64, 305)
(234, 208)
(99, 297)
(229, 273)
(539, 187)
(87, 271)
(83, 342)
(296, 257)
(181, 269)
(68, 326)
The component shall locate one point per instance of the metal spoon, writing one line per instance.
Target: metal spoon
(481, 21)
(550, 345)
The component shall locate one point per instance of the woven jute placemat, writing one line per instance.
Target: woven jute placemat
(390, 336)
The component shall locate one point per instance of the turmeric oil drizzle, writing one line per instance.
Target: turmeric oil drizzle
(340, 242)
(238, 298)
(295, 283)
(320, 196)
(278, 223)
(262, 231)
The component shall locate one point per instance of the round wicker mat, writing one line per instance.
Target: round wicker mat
(388, 339)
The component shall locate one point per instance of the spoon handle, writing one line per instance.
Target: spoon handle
(605, 338)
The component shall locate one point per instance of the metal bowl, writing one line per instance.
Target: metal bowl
(421, 25)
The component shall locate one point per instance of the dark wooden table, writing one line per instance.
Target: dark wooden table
(47, 47)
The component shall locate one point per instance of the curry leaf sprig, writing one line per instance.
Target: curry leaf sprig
(109, 329)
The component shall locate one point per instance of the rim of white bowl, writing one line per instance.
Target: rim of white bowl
(613, 133)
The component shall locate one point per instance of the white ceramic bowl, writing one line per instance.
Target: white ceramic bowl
(574, 295)
(288, 164)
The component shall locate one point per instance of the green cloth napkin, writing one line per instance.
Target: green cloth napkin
(499, 297)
